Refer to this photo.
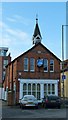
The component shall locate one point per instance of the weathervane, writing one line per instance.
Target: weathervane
(36, 18)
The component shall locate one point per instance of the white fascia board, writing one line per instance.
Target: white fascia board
(42, 81)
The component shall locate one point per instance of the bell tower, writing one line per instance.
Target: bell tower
(37, 35)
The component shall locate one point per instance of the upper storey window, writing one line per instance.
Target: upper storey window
(32, 64)
(25, 64)
(45, 65)
(5, 62)
(51, 65)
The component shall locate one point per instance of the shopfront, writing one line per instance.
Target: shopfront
(38, 88)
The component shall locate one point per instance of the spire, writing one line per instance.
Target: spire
(37, 35)
(36, 18)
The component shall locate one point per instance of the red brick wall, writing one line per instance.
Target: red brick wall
(37, 74)
(18, 67)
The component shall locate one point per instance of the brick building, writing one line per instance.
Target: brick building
(4, 60)
(37, 71)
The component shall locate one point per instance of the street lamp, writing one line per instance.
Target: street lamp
(63, 77)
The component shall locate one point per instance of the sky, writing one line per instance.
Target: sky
(18, 20)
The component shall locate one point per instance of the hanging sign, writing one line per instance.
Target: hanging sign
(39, 62)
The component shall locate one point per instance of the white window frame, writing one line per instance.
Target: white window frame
(51, 65)
(32, 64)
(5, 62)
(46, 65)
(26, 64)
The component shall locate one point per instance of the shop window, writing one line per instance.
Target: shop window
(29, 89)
(53, 88)
(34, 89)
(45, 65)
(32, 64)
(25, 64)
(51, 65)
(38, 91)
(45, 89)
(49, 91)
(24, 89)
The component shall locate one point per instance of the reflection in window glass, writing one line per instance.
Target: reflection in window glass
(53, 88)
(45, 65)
(45, 89)
(34, 89)
(38, 91)
(29, 89)
(38, 87)
(24, 86)
(51, 65)
(32, 62)
(24, 89)
(25, 64)
(48, 88)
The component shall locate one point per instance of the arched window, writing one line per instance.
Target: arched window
(25, 64)
(45, 89)
(38, 91)
(24, 89)
(45, 65)
(49, 91)
(32, 64)
(34, 89)
(29, 89)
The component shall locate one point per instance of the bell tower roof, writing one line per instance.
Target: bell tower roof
(37, 35)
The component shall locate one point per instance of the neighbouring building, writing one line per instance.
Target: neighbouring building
(64, 86)
(4, 60)
(36, 71)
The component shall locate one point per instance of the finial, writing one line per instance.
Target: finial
(36, 18)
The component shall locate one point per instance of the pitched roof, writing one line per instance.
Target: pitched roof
(37, 30)
(32, 49)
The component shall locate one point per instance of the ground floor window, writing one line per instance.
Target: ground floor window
(38, 88)
(31, 89)
(49, 89)
(38, 91)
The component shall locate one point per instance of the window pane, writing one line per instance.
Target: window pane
(32, 62)
(45, 87)
(38, 95)
(5, 62)
(45, 65)
(25, 64)
(29, 87)
(24, 86)
(34, 87)
(48, 88)
(51, 65)
(38, 87)
(53, 89)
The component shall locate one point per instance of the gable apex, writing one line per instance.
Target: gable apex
(34, 48)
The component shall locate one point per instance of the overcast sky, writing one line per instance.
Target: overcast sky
(18, 21)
